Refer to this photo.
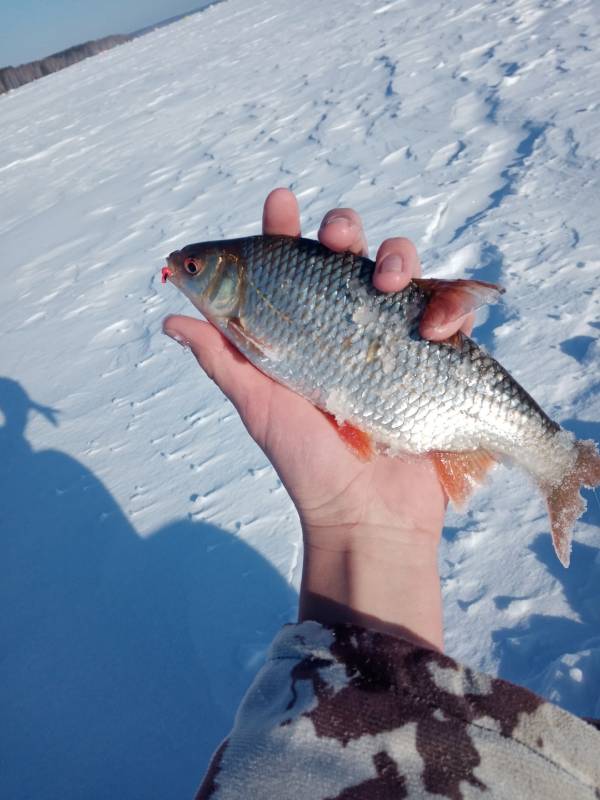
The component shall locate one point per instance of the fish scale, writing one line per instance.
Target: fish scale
(315, 346)
(312, 320)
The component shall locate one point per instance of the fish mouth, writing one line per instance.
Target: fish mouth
(171, 268)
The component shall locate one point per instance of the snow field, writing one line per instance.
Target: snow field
(148, 552)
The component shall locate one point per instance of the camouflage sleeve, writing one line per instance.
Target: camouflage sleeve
(344, 713)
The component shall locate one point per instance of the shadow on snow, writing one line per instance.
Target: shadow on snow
(557, 657)
(124, 659)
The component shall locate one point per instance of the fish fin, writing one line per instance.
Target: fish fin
(565, 504)
(461, 296)
(358, 441)
(243, 338)
(455, 340)
(460, 473)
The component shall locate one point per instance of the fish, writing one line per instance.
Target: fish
(311, 319)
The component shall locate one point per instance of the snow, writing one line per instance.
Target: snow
(148, 552)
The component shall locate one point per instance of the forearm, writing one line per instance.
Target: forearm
(379, 579)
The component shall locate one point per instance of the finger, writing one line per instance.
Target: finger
(397, 261)
(233, 374)
(468, 323)
(281, 215)
(342, 230)
(441, 320)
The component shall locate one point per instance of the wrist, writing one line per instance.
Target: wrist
(377, 539)
(377, 576)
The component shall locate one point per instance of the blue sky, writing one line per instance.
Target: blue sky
(31, 29)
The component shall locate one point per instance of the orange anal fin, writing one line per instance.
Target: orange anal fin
(459, 297)
(460, 473)
(243, 339)
(358, 441)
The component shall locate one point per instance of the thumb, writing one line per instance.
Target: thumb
(242, 383)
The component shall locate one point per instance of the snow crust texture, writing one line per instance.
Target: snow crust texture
(148, 552)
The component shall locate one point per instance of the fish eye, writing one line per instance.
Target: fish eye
(191, 266)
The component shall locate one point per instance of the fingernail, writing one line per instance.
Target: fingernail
(342, 224)
(392, 263)
(178, 338)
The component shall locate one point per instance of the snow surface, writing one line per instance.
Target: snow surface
(148, 552)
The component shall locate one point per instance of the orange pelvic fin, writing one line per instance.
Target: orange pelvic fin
(460, 473)
(459, 297)
(358, 441)
(565, 504)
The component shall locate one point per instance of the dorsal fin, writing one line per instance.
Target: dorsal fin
(461, 296)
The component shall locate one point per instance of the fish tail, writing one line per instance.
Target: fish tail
(565, 503)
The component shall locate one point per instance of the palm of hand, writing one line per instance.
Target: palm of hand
(328, 483)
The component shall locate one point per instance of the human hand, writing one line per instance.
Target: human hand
(326, 481)
(388, 510)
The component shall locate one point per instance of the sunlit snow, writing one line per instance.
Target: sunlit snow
(148, 552)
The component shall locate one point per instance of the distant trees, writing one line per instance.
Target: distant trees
(13, 77)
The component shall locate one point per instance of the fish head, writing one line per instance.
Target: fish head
(209, 275)
(190, 268)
